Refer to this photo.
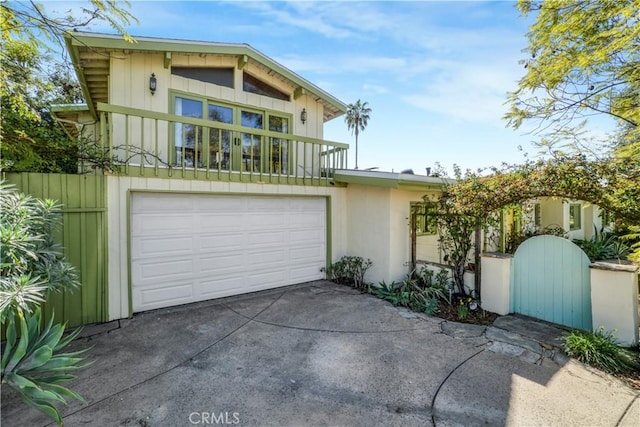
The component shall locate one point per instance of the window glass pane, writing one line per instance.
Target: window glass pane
(279, 147)
(188, 138)
(278, 124)
(575, 222)
(218, 113)
(255, 85)
(251, 119)
(218, 76)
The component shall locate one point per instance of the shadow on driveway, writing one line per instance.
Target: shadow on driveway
(316, 354)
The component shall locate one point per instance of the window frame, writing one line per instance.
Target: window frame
(425, 218)
(237, 120)
(575, 216)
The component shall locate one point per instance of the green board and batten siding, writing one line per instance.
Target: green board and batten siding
(551, 281)
(84, 237)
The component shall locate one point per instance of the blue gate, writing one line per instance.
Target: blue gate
(551, 281)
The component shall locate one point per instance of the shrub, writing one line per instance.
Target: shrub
(599, 349)
(31, 266)
(350, 270)
(603, 245)
(421, 291)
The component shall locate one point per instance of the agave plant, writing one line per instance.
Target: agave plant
(33, 366)
(32, 266)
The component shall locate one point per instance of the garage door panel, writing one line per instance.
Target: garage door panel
(221, 287)
(306, 254)
(165, 269)
(215, 246)
(221, 242)
(176, 292)
(213, 264)
(155, 224)
(308, 219)
(277, 255)
(162, 205)
(231, 204)
(308, 234)
(163, 246)
(264, 220)
(305, 273)
(209, 222)
(266, 238)
(266, 280)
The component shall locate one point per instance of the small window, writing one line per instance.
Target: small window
(217, 76)
(575, 216)
(537, 219)
(425, 218)
(254, 85)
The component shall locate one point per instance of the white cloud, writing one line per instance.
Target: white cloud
(374, 88)
(466, 91)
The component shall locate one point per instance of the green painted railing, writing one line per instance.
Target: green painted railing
(148, 143)
(83, 236)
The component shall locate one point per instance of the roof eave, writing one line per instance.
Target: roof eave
(106, 41)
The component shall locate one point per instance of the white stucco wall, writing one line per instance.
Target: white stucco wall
(368, 233)
(378, 229)
(614, 300)
(118, 188)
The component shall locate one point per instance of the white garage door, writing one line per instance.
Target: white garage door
(187, 248)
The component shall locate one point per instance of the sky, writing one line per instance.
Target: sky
(435, 73)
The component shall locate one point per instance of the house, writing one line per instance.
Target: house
(223, 182)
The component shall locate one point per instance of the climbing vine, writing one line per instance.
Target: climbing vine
(612, 185)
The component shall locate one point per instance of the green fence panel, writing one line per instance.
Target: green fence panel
(83, 235)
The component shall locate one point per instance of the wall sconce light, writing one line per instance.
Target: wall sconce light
(303, 116)
(153, 83)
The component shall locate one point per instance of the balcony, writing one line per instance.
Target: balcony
(147, 143)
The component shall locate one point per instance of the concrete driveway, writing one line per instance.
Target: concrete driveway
(319, 354)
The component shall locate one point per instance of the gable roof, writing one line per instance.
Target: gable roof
(90, 56)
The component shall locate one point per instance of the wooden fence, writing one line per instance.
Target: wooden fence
(84, 237)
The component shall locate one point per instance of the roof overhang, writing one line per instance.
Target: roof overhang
(68, 115)
(400, 181)
(90, 53)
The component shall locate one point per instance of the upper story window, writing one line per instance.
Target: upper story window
(255, 85)
(217, 76)
(240, 149)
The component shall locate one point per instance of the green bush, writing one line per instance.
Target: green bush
(350, 270)
(603, 245)
(599, 349)
(421, 291)
(32, 266)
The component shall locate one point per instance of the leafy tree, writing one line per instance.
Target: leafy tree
(357, 119)
(32, 266)
(584, 62)
(31, 140)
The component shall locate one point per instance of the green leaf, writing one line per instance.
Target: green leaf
(58, 363)
(18, 381)
(62, 391)
(56, 379)
(46, 408)
(38, 358)
(11, 341)
(21, 348)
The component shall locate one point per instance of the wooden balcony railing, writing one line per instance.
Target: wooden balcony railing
(148, 143)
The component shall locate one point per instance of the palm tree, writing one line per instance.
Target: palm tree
(356, 119)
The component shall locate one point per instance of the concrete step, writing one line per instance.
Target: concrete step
(525, 338)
